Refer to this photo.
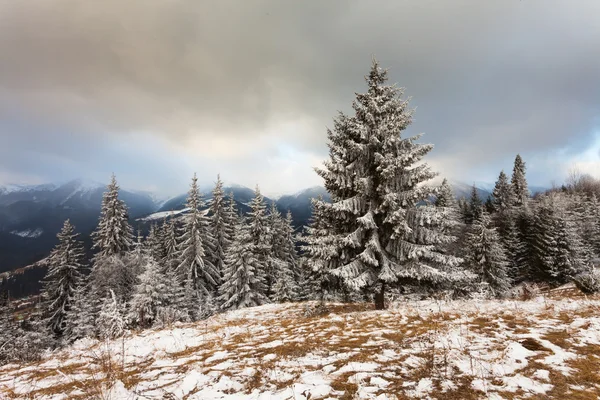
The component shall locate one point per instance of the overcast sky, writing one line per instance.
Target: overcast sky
(155, 90)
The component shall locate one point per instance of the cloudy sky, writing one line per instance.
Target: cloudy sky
(155, 90)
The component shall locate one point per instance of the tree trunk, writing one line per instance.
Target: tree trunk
(380, 298)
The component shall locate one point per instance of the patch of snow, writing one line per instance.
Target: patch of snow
(164, 214)
(29, 233)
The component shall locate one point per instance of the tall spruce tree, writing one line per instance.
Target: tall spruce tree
(445, 196)
(242, 285)
(112, 239)
(197, 271)
(219, 228)
(259, 232)
(486, 255)
(64, 275)
(375, 187)
(114, 235)
(321, 252)
(170, 246)
(151, 295)
(80, 318)
(593, 210)
(519, 182)
(503, 197)
(283, 256)
(475, 206)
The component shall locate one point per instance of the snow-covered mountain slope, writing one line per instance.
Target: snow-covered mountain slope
(543, 348)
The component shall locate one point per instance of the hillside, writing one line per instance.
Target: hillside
(548, 347)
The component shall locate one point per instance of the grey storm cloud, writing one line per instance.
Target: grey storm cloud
(489, 79)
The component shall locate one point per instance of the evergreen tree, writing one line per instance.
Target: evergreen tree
(519, 182)
(289, 246)
(321, 252)
(64, 275)
(445, 197)
(151, 295)
(197, 271)
(111, 323)
(475, 207)
(486, 256)
(593, 210)
(242, 286)
(259, 232)
(170, 260)
(113, 238)
(503, 197)
(154, 242)
(80, 320)
(114, 235)
(219, 226)
(387, 238)
(284, 257)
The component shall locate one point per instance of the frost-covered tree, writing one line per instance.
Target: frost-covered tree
(259, 232)
(486, 255)
(475, 206)
(218, 225)
(321, 252)
(519, 182)
(593, 211)
(502, 196)
(199, 274)
(80, 320)
(111, 321)
(151, 295)
(445, 196)
(112, 239)
(375, 180)
(289, 245)
(65, 265)
(155, 241)
(284, 257)
(114, 235)
(557, 251)
(242, 285)
(170, 260)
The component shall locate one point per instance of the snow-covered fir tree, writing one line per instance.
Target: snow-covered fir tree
(80, 320)
(170, 235)
(198, 273)
(242, 285)
(259, 232)
(113, 238)
(486, 256)
(155, 242)
(388, 238)
(289, 245)
(445, 195)
(519, 182)
(283, 257)
(111, 321)
(151, 295)
(475, 206)
(502, 196)
(114, 235)
(558, 254)
(218, 225)
(321, 253)
(593, 227)
(65, 266)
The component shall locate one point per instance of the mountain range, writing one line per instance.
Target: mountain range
(31, 216)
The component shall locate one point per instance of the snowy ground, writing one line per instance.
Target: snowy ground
(542, 348)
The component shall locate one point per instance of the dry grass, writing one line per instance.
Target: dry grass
(360, 334)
